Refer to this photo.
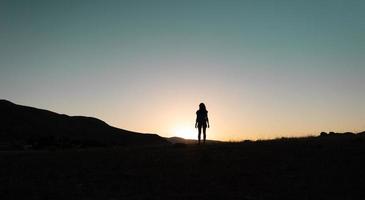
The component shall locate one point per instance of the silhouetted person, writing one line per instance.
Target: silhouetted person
(202, 121)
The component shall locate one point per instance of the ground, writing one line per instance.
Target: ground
(308, 168)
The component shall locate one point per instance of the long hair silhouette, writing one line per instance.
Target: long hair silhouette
(202, 107)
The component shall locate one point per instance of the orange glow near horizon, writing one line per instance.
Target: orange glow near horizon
(184, 131)
(253, 110)
(232, 117)
(177, 118)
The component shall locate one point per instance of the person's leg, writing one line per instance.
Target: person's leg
(204, 135)
(200, 131)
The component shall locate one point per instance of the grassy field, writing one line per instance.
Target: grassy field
(307, 168)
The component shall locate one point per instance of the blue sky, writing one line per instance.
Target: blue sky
(264, 68)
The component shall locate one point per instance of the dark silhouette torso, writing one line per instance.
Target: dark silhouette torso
(202, 117)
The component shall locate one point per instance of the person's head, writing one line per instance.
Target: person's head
(202, 106)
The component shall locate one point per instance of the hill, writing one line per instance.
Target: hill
(24, 125)
(179, 140)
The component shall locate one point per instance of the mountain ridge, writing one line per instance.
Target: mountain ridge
(22, 123)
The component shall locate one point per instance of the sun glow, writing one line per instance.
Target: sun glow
(187, 132)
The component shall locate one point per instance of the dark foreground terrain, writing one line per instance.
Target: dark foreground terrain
(328, 167)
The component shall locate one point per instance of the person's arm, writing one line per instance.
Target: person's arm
(196, 121)
(207, 120)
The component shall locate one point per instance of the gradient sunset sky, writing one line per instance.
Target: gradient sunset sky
(265, 69)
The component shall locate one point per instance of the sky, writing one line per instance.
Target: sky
(264, 69)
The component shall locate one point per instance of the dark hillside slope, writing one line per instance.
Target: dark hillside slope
(179, 140)
(22, 123)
